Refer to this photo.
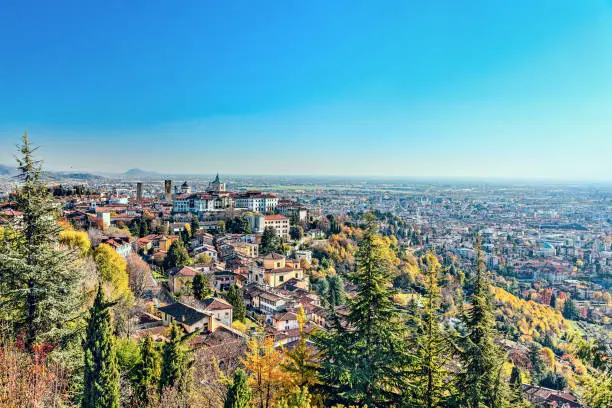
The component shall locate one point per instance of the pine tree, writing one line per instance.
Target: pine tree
(479, 383)
(234, 298)
(195, 224)
(176, 362)
(144, 228)
(517, 398)
(429, 379)
(335, 292)
(366, 362)
(201, 287)
(177, 256)
(570, 311)
(270, 241)
(38, 281)
(238, 393)
(147, 373)
(101, 376)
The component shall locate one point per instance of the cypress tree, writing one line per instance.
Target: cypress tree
(430, 378)
(101, 376)
(367, 360)
(175, 360)
(238, 394)
(479, 382)
(516, 398)
(195, 224)
(147, 373)
(234, 298)
(270, 241)
(38, 280)
(201, 287)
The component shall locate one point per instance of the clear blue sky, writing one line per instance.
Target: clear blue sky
(515, 89)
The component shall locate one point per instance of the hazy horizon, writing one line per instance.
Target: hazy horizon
(442, 90)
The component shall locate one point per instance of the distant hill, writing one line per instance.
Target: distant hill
(8, 171)
(140, 173)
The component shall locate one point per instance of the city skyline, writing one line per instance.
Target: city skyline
(517, 91)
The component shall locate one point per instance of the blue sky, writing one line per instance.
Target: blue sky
(491, 89)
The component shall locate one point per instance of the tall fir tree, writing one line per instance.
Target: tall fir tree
(238, 393)
(101, 375)
(430, 379)
(176, 362)
(147, 373)
(366, 361)
(516, 396)
(38, 280)
(335, 290)
(479, 383)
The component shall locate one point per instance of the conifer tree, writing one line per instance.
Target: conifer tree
(176, 362)
(101, 375)
(238, 393)
(367, 361)
(516, 397)
(270, 241)
(147, 373)
(177, 256)
(479, 382)
(201, 287)
(195, 224)
(335, 290)
(38, 280)
(234, 298)
(430, 378)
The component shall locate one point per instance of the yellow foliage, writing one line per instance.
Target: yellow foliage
(113, 269)
(76, 240)
(238, 325)
(265, 367)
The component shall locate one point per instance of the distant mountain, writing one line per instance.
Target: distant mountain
(140, 173)
(8, 171)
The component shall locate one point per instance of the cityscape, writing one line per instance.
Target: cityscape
(290, 205)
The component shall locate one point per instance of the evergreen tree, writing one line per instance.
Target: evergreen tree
(234, 298)
(570, 311)
(430, 378)
(176, 362)
(270, 241)
(143, 228)
(201, 287)
(296, 232)
(147, 372)
(517, 398)
(195, 224)
(335, 294)
(186, 237)
(537, 362)
(238, 393)
(38, 281)
(177, 256)
(553, 301)
(101, 376)
(479, 383)
(366, 360)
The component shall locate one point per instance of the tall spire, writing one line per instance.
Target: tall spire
(217, 179)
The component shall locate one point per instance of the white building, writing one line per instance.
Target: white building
(257, 201)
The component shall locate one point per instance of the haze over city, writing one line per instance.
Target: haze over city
(514, 90)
